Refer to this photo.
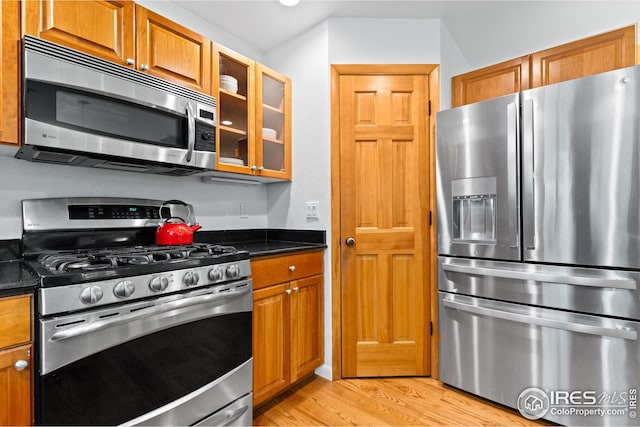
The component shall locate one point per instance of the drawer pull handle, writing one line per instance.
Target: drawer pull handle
(21, 365)
(292, 268)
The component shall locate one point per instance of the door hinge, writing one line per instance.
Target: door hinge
(430, 218)
(431, 328)
(429, 108)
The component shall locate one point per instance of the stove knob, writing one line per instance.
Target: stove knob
(124, 289)
(233, 271)
(159, 283)
(91, 295)
(191, 278)
(215, 274)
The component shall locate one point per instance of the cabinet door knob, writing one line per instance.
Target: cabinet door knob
(130, 61)
(292, 268)
(288, 291)
(21, 365)
(144, 67)
(296, 289)
(261, 168)
(253, 168)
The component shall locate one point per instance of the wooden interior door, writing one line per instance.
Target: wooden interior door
(384, 174)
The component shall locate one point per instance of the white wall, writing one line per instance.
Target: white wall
(305, 61)
(384, 41)
(452, 63)
(217, 206)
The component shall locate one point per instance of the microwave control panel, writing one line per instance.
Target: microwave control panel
(205, 137)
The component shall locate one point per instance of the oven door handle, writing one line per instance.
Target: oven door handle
(166, 309)
(624, 333)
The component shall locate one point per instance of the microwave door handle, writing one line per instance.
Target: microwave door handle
(191, 132)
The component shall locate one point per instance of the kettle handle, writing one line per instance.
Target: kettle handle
(175, 202)
(168, 220)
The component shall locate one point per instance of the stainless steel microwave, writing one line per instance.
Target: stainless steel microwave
(84, 111)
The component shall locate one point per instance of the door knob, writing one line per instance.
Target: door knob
(350, 241)
(20, 365)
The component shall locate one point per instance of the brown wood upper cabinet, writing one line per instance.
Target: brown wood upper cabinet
(16, 406)
(592, 55)
(10, 72)
(254, 106)
(127, 34)
(490, 82)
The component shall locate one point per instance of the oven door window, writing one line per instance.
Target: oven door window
(102, 115)
(133, 378)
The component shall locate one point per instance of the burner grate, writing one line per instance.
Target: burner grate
(113, 258)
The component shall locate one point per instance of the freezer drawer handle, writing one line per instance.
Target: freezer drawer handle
(627, 334)
(544, 277)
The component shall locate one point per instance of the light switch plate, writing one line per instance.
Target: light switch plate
(244, 210)
(313, 210)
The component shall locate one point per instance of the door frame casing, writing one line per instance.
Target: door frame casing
(433, 71)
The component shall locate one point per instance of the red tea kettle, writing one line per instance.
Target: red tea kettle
(174, 230)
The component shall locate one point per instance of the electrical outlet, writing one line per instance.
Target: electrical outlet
(313, 210)
(244, 210)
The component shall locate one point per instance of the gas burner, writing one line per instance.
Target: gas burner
(88, 265)
(208, 250)
(91, 260)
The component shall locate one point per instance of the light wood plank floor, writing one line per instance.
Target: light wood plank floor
(383, 402)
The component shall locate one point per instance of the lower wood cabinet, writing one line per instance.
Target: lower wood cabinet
(16, 356)
(287, 321)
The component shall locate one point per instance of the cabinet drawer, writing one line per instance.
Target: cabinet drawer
(15, 320)
(279, 269)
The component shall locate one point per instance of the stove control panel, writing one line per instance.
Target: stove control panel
(69, 298)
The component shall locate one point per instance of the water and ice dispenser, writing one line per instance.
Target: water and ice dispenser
(474, 209)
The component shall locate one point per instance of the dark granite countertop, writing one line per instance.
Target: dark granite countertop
(16, 277)
(264, 242)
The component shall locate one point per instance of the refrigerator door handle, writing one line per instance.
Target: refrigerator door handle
(512, 171)
(528, 175)
(543, 277)
(624, 333)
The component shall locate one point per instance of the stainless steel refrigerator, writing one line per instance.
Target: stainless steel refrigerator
(539, 249)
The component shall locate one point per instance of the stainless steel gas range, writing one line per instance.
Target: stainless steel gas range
(130, 332)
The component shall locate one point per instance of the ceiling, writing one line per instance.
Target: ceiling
(485, 31)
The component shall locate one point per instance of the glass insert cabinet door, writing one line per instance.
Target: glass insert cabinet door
(236, 112)
(254, 117)
(273, 147)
